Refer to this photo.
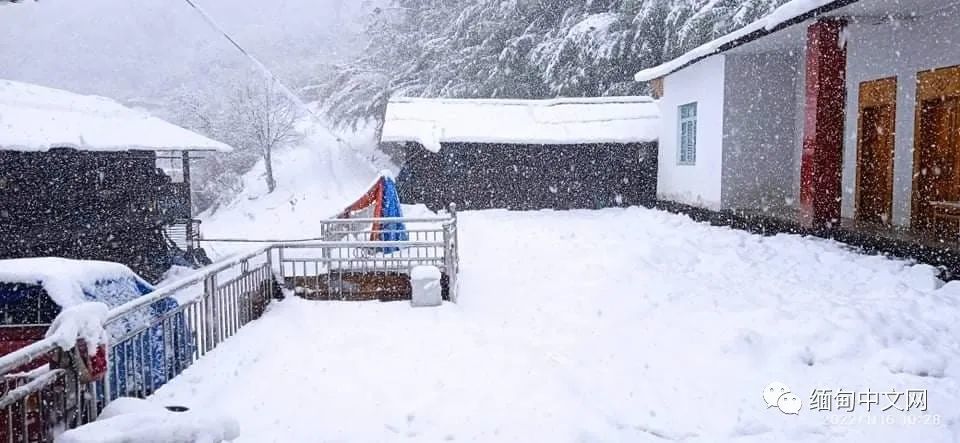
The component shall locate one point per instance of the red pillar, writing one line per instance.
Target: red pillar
(822, 158)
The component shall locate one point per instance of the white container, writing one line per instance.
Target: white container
(426, 288)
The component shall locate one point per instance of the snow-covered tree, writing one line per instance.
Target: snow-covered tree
(522, 48)
(266, 120)
(253, 118)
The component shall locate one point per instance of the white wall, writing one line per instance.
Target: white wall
(899, 48)
(799, 120)
(697, 184)
(760, 130)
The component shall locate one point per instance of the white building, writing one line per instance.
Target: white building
(826, 110)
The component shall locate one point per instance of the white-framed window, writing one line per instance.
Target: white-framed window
(687, 134)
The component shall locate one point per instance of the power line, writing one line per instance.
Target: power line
(283, 88)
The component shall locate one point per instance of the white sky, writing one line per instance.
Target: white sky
(142, 49)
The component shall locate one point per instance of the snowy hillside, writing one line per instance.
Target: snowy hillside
(316, 179)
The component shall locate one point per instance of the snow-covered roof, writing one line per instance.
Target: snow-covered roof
(431, 122)
(788, 14)
(65, 280)
(37, 118)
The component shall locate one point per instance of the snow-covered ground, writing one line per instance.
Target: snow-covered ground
(614, 325)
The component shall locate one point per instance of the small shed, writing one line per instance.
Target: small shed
(524, 154)
(79, 179)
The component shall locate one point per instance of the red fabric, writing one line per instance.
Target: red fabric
(98, 363)
(372, 195)
(822, 157)
(377, 210)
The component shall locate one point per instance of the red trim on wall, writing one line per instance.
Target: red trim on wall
(822, 158)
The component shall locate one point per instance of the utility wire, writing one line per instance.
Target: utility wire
(283, 88)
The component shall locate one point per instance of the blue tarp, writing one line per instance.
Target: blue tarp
(392, 231)
(140, 365)
(146, 362)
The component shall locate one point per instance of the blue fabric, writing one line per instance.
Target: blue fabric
(167, 357)
(146, 362)
(12, 293)
(392, 231)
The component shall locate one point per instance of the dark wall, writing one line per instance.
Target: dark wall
(526, 177)
(98, 206)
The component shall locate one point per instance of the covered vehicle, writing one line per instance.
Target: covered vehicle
(33, 291)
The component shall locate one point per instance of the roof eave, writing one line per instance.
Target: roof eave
(645, 75)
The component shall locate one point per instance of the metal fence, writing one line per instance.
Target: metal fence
(349, 263)
(44, 390)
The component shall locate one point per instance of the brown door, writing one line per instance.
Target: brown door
(877, 116)
(937, 147)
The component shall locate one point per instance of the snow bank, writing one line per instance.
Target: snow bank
(36, 118)
(83, 321)
(788, 11)
(135, 420)
(65, 280)
(431, 122)
(618, 325)
(425, 286)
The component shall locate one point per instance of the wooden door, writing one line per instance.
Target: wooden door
(875, 136)
(937, 147)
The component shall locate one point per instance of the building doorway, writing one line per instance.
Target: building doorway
(875, 137)
(936, 170)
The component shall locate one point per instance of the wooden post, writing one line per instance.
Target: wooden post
(188, 229)
(822, 157)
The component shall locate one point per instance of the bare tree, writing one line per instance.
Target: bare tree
(266, 120)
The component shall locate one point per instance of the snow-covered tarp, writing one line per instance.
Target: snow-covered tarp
(83, 321)
(775, 20)
(431, 122)
(67, 281)
(37, 118)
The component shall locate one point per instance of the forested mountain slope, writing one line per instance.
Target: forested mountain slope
(523, 48)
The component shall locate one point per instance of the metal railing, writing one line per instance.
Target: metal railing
(183, 233)
(153, 339)
(44, 390)
(371, 258)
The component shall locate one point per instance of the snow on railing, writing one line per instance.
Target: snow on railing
(47, 387)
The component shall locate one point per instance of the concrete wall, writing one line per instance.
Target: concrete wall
(800, 93)
(760, 130)
(697, 184)
(898, 48)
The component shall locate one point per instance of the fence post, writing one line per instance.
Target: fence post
(213, 311)
(325, 228)
(107, 389)
(283, 271)
(449, 253)
(455, 248)
(271, 276)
